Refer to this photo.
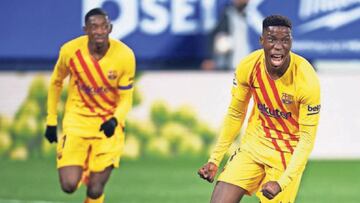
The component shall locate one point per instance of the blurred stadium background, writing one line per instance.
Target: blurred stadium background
(178, 107)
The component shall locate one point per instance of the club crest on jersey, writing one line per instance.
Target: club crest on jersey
(287, 98)
(112, 75)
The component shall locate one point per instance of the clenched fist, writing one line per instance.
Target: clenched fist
(208, 171)
(271, 189)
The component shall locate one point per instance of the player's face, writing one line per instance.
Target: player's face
(98, 29)
(276, 42)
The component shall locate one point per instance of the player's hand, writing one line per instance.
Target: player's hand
(208, 171)
(271, 189)
(109, 127)
(51, 133)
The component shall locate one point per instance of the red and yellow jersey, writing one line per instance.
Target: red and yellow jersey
(97, 88)
(285, 114)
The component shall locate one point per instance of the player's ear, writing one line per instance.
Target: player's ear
(261, 41)
(84, 28)
(110, 28)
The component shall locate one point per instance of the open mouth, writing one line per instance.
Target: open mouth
(99, 38)
(277, 59)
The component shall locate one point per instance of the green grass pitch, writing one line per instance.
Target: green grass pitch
(150, 181)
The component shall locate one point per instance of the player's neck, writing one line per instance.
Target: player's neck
(277, 72)
(98, 51)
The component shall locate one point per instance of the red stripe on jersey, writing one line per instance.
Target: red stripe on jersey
(73, 66)
(257, 101)
(254, 72)
(281, 121)
(277, 147)
(91, 78)
(278, 100)
(269, 104)
(88, 105)
(268, 134)
(84, 100)
(103, 78)
(266, 129)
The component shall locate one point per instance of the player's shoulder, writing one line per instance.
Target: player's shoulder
(119, 50)
(303, 67)
(73, 44)
(305, 72)
(248, 63)
(120, 46)
(247, 66)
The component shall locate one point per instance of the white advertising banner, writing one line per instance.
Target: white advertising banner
(208, 94)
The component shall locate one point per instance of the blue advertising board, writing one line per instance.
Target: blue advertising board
(322, 29)
(175, 30)
(157, 30)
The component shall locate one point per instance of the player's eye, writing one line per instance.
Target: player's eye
(93, 27)
(286, 40)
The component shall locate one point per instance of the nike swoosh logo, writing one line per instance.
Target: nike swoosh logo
(331, 21)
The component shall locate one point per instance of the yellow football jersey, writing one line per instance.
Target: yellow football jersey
(98, 89)
(284, 117)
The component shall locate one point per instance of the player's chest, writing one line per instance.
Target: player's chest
(87, 70)
(274, 94)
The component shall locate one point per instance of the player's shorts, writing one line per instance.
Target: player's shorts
(243, 170)
(96, 153)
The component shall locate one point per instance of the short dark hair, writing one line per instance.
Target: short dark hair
(276, 20)
(93, 12)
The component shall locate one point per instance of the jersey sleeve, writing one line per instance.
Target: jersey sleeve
(56, 83)
(125, 88)
(308, 121)
(235, 115)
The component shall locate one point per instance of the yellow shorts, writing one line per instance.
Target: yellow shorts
(93, 153)
(242, 170)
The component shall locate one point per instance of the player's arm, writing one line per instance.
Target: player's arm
(308, 122)
(54, 91)
(126, 90)
(231, 126)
